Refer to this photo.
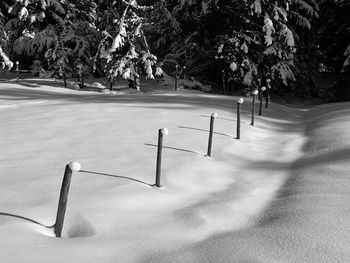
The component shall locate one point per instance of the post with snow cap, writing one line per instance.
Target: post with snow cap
(161, 132)
(62, 204)
(176, 75)
(223, 81)
(17, 70)
(255, 92)
(261, 96)
(259, 89)
(211, 131)
(239, 103)
(268, 84)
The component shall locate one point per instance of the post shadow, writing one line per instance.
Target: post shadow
(116, 176)
(172, 148)
(203, 130)
(23, 218)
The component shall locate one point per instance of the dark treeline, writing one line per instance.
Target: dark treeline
(291, 42)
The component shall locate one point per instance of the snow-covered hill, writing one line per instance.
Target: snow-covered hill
(277, 195)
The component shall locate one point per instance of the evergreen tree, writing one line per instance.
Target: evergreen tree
(333, 37)
(124, 50)
(4, 39)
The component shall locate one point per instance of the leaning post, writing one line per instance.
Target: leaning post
(211, 132)
(161, 132)
(62, 204)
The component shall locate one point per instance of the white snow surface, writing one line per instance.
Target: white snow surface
(279, 194)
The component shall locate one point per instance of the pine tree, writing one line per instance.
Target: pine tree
(4, 39)
(124, 50)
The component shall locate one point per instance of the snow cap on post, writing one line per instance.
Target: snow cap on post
(268, 80)
(214, 114)
(165, 131)
(263, 88)
(255, 92)
(240, 100)
(75, 166)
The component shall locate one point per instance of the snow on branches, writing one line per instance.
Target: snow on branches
(125, 51)
(268, 29)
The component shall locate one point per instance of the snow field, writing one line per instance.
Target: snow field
(110, 218)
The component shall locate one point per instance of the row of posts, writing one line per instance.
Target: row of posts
(75, 166)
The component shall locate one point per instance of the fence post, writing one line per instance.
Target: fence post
(17, 70)
(268, 88)
(255, 92)
(211, 131)
(184, 71)
(176, 76)
(161, 132)
(223, 81)
(261, 100)
(259, 89)
(239, 103)
(62, 204)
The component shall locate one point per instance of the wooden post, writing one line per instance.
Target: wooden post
(176, 76)
(268, 88)
(62, 204)
(184, 71)
(211, 131)
(259, 89)
(255, 92)
(82, 80)
(64, 77)
(111, 80)
(239, 103)
(223, 81)
(17, 70)
(161, 132)
(261, 101)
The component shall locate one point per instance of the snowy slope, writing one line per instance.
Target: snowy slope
(210, 209)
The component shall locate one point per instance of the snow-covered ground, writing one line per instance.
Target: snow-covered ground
(280, 194)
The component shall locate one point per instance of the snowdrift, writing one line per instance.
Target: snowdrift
(277, 195)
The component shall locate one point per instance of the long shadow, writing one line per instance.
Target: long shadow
(172, 148)
(117, 176)
(23, 218)
(197, 129)
(219, 118)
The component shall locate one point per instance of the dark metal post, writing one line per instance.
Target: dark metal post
(17, 70)
(261, 100)
(210, 140)
(255, 92)
(239, 103)
(223, 81)
(176, 76)
(62, 204)
(161, 132)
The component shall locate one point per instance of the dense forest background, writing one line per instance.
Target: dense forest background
(242, 43)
